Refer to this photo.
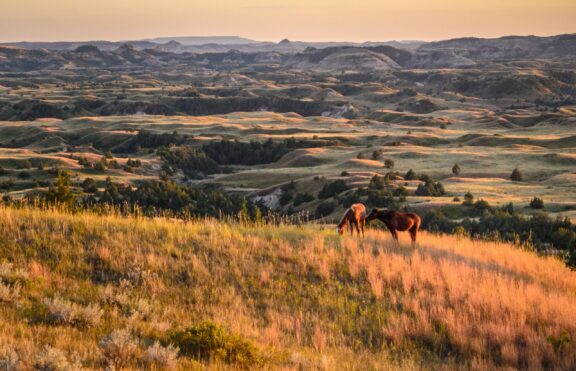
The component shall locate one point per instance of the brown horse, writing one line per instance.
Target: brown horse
(354, 216)
(396, 221)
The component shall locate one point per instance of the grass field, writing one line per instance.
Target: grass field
(89, 291)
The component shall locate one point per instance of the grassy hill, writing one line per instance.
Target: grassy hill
(89, 291)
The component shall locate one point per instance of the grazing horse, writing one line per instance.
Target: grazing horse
(354, 216)
(396, 221)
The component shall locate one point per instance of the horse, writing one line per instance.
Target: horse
(396, 221)
(354, 216)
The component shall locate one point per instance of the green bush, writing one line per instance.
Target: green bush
(378, 182)
(537, 203)
(468, 199)
(302, 198)
(410, 175)
(208, 341)
(332, 189)
(285, 198)
(325, 208)
(456, 169)
(430, 188)
(516, 175)
(351, 199)
(389, 163)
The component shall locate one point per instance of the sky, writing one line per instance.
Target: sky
(273, 20)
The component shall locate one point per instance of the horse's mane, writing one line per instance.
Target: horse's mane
(344, 219)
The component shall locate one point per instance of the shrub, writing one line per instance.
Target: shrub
(400, 192)
(193, 162)
(285, 198)
(351, 199)
(344, 173)
(65, 312)
(51, 359)
(89, 186)
(378, 182)
(325, 208)
(83, 161)
(100, 166)
(9, 294)
(456, 169)
(361, 156)
(302, 198)
(207, 340)
(380, 198)
(481, 206)
(410, 175)
(162, 356)
(332, 189)
(119, 348)
(430, 188)
(9, 359)
(11, 275)
(389, 163)
(133, 163)
(516, 175)
(468, 199)
(537, 203)
(26, 165)
(60, 191)
(377, 154)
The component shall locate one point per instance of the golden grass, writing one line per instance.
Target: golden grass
(307, 298)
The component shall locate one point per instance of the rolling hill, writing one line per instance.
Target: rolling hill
(91, 291)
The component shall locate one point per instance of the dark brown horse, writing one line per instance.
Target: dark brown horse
(354, 216)
(396, 221)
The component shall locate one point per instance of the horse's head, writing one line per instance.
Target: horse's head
(373, 215)
(340, 229)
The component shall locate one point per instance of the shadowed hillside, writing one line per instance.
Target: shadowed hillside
(88, 291)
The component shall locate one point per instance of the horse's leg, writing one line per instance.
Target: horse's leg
(363, 223)
(413, 233)
(393, 233)
(357, 224)
(351, 225)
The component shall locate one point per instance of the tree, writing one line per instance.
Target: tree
(360, 156)
(325, 208)
(456, 169)
(89, 186)
(389, 163)
(332, 189)
(410, 175)
(302, 198)
(516, 175)
(537, 203)
(60, 191)
(430, 188)
(468, 199)
(378, 182)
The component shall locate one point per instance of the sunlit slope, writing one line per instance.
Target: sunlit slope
(303, 296)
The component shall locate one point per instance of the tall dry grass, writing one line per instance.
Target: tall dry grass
(304, 296)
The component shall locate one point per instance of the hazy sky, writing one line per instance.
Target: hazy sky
(313, 20)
